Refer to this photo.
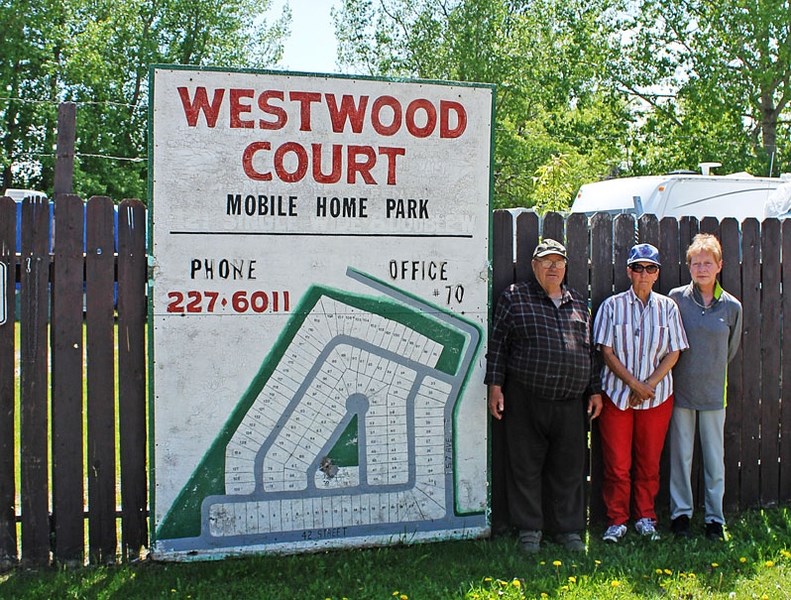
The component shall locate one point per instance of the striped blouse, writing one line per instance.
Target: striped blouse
(640, 338)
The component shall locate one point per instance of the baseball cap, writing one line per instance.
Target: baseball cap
(548, 246)
(643, 253)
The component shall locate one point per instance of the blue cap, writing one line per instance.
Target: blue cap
(643, 253)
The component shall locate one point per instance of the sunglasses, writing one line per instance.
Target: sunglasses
(650, 269)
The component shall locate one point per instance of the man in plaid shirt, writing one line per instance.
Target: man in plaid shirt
(542, 379)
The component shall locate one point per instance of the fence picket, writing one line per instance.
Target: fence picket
(67, 370)
(732, 282)
(770, 360)
(785, 361)
(132, 374)
(34, 457)
(751, 369)
(100, 264)
(8, 538)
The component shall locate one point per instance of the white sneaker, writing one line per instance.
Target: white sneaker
(614, 533)
(646, 528)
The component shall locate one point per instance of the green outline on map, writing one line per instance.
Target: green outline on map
(183, 519)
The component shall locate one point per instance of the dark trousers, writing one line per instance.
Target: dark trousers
(546, 445)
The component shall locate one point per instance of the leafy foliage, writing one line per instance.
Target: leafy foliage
(545, 57)
(713, 80)
(97, 53)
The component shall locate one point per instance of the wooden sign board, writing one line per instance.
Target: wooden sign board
(319, 311)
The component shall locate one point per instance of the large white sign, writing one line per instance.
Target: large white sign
(319, 310)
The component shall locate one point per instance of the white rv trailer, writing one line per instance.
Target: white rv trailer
(739, 195)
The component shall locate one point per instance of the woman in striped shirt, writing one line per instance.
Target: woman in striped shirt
(640, 336)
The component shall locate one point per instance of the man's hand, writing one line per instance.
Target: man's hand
(594, 406)
(496, 401)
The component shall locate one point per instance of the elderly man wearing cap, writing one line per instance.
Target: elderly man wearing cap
(542, 378)
(640, 335)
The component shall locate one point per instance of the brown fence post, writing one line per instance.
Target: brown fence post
(100, 265)
(751, 374)
(132, 375)
(67, 364)
(8, 549)
(502, 277)
(770, 361)
(34, 369)
(785, 362)
(732, 282)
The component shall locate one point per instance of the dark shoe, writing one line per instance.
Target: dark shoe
(571, 542)
(714, 531)
(530, 541)
(680, 526)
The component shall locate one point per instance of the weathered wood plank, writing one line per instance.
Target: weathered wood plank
(623, 241)
(751, 373)
(554, 227)
(669, 254)
(67, 368)
(34, 305)
(502, 253)
(601, 288)
(8, 538)
(732, 282)
(771, 304)
(100, 266)
(577, 248)
(785, 361)
(132, 374)
(526, 242)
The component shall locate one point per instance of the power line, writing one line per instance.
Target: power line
(77, 102)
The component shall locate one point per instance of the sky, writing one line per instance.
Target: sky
(311, 46)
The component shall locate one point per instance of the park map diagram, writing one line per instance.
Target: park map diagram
(346, 432)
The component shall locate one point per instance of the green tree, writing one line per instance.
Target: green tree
(545, 56)
(715, 81)
(97, 54)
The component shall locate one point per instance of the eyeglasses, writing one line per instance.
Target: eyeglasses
(546, 263)
(650, 269)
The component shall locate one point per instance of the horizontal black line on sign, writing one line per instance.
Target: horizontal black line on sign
(318, 234)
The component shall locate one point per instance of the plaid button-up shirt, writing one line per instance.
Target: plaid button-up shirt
(546, 348)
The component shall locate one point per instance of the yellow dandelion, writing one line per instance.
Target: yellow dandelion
(543, 562)
(556, 563)
(742, 559)
(682, 575)
(572, 579)
(659, 571)
(544, 595)
(615, 583)
(770, 563)
(667, 572)
(487, 579)
(403, 597)
(516, 583)
(785, 553)
(693, 576)
(764, 597)
(597, 562)
(714, 565)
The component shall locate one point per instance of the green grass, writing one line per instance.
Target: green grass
(754, 563)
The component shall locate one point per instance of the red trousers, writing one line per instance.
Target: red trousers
(632, 442)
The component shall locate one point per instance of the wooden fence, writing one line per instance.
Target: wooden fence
(94, 438)
(758, 424)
